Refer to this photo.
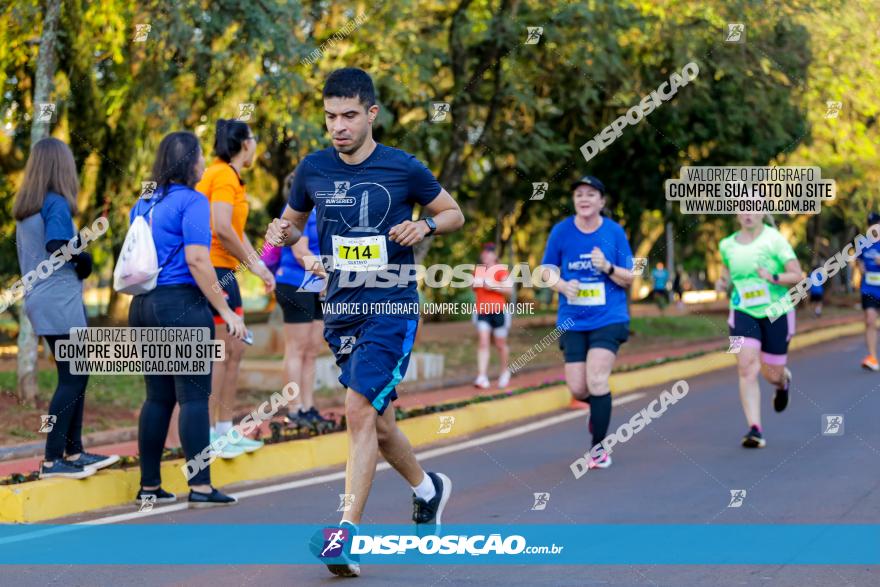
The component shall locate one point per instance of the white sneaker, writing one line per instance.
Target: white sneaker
(230, 451)
(504, 379)
(482, 382)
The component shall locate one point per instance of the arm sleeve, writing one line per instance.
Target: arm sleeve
(784, 251)
(196, 221)
(299, 198)
(423, 186)
(624, 251)
(722, 249)
(222, 188)
(56, 219)
(552, 252)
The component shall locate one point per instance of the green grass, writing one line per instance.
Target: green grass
(124, 391)
(687, 327)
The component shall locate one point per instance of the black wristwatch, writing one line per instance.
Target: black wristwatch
(432, 226)
(776, 278)
(610, 269)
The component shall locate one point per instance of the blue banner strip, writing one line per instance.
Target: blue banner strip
(207, 544)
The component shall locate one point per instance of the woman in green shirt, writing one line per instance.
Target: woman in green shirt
(761, 266)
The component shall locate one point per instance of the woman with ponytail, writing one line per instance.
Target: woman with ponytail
(234, 147)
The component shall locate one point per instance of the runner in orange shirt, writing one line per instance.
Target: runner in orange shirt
(492, 288)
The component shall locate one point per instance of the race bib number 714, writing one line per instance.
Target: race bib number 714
(368, 253)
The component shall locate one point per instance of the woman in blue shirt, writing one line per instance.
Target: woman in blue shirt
(44, 209)
(594, 266)
(298, 292)
(180, 218)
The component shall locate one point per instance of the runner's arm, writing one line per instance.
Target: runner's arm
(445, 212)
(792, 275)
(622, 277)
(724, 280)
(221, 215)
(288, 229)
(551, 275)
(198, 259)
(300, 249)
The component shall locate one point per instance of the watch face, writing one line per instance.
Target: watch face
(431, 224)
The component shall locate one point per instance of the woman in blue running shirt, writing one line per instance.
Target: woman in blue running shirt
(594, 262)
(869, 262)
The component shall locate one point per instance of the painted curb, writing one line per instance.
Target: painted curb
(53, 498)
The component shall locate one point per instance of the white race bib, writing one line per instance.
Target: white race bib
(366, 253)
(754, 294)
(872, 277)
(590, 294)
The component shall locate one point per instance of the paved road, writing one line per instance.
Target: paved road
(680, 469)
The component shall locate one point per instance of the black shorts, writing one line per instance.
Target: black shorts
(229, 287)
(497, 323)
(772, 337)
(576, 343)
(298, 307)
(816, 297)
(869, 301)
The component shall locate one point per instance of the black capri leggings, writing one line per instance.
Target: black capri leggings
(173, 306)
(66, 409)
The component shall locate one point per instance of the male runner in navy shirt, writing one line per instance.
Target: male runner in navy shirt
(364, 194)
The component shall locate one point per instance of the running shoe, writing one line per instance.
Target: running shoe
(482, 382)
(298, 419)
(65, 469)
(504, 379)
(333, 548)
(430, 512)
(315, 417)
(230, 451)
(780, 398)
(162, 496)
(197, 499)
(754, 438)
(248, 444)
(870, 363)
(603, 461)
(97, 462)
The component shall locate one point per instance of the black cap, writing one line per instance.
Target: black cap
(873, 218)
(590, 181)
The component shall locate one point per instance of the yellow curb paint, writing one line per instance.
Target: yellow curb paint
(53, 498)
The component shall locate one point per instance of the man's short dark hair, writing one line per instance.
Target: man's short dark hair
(351, 82)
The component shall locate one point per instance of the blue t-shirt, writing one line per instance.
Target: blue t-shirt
(602, 302)
(364, 200)
(57, 221)
(816, 287)
(289, 270)
(870, 258)
(181, 216)
(661, 276)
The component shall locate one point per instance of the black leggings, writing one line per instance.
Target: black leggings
(173, 306)
(66, 406)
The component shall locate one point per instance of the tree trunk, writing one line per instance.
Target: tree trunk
(27, 340)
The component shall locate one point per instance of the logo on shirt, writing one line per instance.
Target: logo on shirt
(585, 263)
(365, 205)
(338, 197)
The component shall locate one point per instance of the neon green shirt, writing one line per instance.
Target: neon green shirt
(752, 294)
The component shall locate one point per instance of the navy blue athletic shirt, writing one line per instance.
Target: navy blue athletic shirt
(363, 202)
